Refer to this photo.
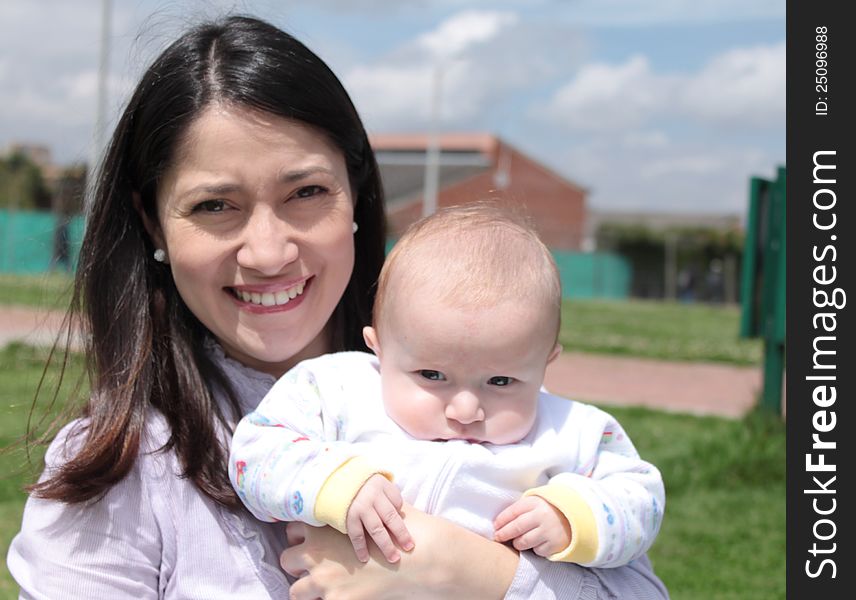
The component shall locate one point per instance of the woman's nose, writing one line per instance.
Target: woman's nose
(267, 243)
(465, 408)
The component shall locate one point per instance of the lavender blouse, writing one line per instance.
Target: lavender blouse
(154, 535)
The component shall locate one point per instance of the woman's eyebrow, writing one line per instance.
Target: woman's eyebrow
(216, 189)
(287, 177)
(297, 175)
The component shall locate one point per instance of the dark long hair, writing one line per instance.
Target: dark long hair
(144, 348)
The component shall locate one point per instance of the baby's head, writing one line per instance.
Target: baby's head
(466, 319)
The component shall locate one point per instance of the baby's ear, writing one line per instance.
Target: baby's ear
(557, 349)
(370, 337)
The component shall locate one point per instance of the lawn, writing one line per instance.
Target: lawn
(47, 290)
(723, 536)
(650, 329)
(653, 329)
(724, 531)
(21, 369)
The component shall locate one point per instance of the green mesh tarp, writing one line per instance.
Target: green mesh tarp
(32, 242)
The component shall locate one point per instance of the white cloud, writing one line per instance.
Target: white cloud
(745, 86)
(485, 57)
(645, 139)
(741, 87)
(609, 13)
(609, 97)
(683, 176)
(390, 94)
(681, 165)
(636, 13)
(464, 30)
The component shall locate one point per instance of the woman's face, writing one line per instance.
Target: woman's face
(256, 219)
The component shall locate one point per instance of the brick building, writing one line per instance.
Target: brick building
(479, 166)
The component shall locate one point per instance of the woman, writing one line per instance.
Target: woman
(236, 228)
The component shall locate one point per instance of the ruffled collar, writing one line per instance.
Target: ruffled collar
(249, 384)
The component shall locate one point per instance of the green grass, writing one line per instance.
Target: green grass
(661, 330)
(47, 291)
(723, 535)
(21, 369)
(648, 329)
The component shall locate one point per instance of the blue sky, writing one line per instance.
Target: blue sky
(656, 105)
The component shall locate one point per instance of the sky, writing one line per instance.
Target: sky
(653, 106)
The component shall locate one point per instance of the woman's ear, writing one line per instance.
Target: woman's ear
(152, 227)
(370, 336)
(557, 349)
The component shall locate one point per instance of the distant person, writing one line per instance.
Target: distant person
(686, 284)
(715, 283)
(466, 320)
(235, 229)
(61, 251)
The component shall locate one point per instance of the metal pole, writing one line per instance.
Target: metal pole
(101, 103)
(432, 156)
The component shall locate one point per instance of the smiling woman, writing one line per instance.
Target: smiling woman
(256, 217)
(234, 178)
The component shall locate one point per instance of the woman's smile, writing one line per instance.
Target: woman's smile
(270, 298)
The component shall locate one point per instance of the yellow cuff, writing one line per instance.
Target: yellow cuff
(583, 546)
(335, 496)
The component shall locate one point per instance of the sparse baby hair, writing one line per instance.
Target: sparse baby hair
(469, 256)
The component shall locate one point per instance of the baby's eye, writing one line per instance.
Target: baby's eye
(210, 206)
(432, 375)
(500, 380)
(308, 191)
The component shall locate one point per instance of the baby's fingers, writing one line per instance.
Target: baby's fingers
(377, 531)
(513, 511)
(388, 512)
(357, 534)
(533, 538)
(517, 527)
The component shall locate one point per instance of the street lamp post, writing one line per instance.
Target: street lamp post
(432, 155)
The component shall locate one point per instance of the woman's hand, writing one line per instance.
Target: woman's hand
(447, 562)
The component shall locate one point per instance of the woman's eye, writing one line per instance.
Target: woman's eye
(310, 190)
(210, 206)
(500, 380)
(432, 375)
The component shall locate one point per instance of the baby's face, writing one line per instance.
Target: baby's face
(449, 373)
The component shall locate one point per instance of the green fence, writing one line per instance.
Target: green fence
(588, 275)
(593, 274)
(28, 239)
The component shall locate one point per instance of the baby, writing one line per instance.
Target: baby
(450, 407)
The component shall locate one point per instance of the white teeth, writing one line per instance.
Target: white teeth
(271, 298)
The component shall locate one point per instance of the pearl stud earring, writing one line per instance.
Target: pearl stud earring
(160, 255)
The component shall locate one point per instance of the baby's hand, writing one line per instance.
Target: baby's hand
(375, 510)
(532, 522)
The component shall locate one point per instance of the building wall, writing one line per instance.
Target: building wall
(556, 207)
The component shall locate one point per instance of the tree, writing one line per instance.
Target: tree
(22, 185)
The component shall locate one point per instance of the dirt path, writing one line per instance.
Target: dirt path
(36, 327)
(698, 388)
